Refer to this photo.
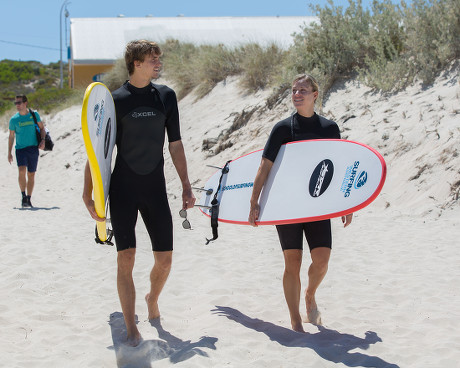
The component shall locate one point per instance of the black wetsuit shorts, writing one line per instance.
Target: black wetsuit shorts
(317, 233)
(297, 128)
(131, 193)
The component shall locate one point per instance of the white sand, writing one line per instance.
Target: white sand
(390, 299)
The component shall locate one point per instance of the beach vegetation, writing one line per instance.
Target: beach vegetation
(39, 82)
(387, 46)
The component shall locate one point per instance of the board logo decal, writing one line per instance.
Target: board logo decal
(321, 178)
(238, 186)
(101, 119)
(96, 111)
(108, 130)
(362, 179)
(349, 179)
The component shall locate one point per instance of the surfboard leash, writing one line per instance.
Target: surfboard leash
(215, 206)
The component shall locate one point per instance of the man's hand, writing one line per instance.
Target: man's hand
(89, 203)
(42, 144)
(188, 199)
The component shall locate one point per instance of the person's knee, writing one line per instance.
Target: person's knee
(292, 261)
(320, 258)
(126, 259)
(163, 261)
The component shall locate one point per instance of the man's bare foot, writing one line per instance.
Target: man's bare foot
(297, 327)
(154, 311)
(134, 340)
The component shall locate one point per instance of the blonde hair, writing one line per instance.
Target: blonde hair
(309, 79)
(137, 51)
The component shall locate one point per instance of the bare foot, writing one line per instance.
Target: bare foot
(313, 314)
(154, 311)
(134, 340)
(297, 327)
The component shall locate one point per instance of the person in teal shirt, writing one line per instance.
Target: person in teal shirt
(22, 127)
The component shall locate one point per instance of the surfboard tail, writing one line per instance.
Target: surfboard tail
(101, 231)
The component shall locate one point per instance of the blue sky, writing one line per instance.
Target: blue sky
(29, 29)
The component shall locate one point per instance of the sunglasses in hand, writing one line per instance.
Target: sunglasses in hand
(185, 223)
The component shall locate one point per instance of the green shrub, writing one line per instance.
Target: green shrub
(212, 65)
(116, 76)
(433, 34)
(332, 47)
(177, 63)
(259, 65)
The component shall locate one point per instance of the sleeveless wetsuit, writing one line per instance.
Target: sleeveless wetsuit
(138, 183)
(297, 128)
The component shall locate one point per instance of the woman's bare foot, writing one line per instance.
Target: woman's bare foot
(313, 314)
(154, 311)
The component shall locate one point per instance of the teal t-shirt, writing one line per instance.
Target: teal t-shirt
(24, 128)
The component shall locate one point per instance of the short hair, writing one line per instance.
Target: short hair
(22, 97)
(309, 79)
(138, 50)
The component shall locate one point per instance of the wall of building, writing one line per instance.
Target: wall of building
(84, 74)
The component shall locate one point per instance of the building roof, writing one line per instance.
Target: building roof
(102, 40)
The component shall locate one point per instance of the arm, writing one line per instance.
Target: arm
(259, 181)
(10, 146)
(176, 149)
(88, 194)
(41, 144)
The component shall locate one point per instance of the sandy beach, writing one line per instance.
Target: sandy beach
(390, 299)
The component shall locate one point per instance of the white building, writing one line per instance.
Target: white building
(95, 43)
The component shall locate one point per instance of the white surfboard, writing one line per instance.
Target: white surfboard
(309, 181)
(99, 128)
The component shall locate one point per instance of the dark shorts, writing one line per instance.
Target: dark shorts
(317, 233)
(28, 157)
(131, 193)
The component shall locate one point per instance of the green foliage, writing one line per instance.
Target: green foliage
(177, 61)
(39, 82)
(389, 46)
(260, 65)
(116, 76)
(190, 66)
(46, 99)
(433, 34)
(213, 64)
(332, 47)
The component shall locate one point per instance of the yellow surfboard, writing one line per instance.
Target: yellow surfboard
(99, 128)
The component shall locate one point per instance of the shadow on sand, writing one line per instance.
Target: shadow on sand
(329, 344)
(36, 208)
(149, 351)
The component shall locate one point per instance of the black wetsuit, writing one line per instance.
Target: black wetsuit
(138, 182)
(297, 128)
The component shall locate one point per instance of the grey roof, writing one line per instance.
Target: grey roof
(100, 40)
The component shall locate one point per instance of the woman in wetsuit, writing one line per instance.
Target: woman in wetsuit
(303, 125)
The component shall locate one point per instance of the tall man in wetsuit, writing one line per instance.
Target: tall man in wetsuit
(145, 112)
